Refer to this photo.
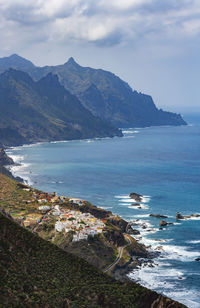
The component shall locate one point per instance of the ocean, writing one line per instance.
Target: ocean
(162, 164)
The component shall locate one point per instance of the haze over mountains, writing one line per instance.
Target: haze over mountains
(43, 111)
(93, 103)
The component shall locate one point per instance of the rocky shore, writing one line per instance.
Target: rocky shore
(5, 162)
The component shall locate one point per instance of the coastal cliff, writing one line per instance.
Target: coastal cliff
(5, 160)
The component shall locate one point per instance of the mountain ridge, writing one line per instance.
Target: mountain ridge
(112, 99)
(44, 110)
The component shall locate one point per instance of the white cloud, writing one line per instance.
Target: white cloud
(98, 21)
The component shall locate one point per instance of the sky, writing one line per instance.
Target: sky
(154, 45)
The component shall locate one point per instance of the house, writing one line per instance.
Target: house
(42, 200)
(59, 226)
(76, 201)
(75, 238)
(44, 208)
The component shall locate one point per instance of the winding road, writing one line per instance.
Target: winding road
(120, 254)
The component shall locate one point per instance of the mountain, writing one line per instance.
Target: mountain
(44, 111)
(106, 95)
(16, 62)
(37, 273)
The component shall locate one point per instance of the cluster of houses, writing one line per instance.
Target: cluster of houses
(82, 224)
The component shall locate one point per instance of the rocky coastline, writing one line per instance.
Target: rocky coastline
(5, 163)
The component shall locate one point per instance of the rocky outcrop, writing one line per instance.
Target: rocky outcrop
(179, 216)
(4, 158)
(136, 197)
(164, 223)
(118, 222)
(115, 237)
(138, 249)
(158, 216)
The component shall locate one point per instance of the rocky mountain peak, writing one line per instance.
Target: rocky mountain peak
(15, 61)
(72, 63)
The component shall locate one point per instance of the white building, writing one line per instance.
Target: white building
(44, 208)
(59, 226)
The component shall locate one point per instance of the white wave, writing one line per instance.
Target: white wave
(130, 131)
(141, 206)
(146, 199)
(166, 280)
(129, 200)
(193, 218)
(156, 278)
(122, 197)
(188, 297)
(127, 204)
(194, 242)
(129, 136)
(172, 252)
(142, 215)
(139, 223)
(17, 158)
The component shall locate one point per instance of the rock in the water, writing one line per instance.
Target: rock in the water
(158, 216)
(136, 197)
(163, 223)
(197, 259)
(135, 232)
(179, 216)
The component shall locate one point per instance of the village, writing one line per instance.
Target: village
(49, 205)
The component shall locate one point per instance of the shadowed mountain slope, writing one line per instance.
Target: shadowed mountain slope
(44, 111)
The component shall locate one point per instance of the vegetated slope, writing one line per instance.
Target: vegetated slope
(105, 94)
(19, 201)
(36, 273)
(44, 111)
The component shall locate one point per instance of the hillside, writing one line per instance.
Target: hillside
(44, 111)
(103, 93)
(23, 203)
(35, 273)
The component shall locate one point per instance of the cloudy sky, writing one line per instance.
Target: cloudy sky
(154, 45)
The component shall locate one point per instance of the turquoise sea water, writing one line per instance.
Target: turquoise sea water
(161, 163)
